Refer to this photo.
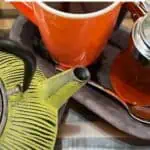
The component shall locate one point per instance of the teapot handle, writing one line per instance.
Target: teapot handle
(136, 10)
(28, 58)
(26, 9)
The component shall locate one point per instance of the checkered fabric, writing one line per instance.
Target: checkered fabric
(83, 130)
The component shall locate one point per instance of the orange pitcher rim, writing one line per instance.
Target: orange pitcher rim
(77, 15)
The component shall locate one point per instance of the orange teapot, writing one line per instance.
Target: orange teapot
(72, 38)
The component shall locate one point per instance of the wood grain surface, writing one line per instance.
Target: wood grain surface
(7, 16)
(8, 13)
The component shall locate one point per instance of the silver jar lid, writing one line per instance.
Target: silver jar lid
(141, 35)
(145, 5)
(145, 29)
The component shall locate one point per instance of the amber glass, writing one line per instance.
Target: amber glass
(130, 79)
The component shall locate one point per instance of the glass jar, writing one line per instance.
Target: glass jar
(130, 73)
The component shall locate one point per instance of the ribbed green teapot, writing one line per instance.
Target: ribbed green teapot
(29, 101)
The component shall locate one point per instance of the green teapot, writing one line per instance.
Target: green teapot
(29, 102)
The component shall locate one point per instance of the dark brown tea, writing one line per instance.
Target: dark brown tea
(79, 7)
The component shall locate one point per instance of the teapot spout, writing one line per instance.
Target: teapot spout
(59, 88)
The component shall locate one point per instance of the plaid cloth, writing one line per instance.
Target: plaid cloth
(80, 128)
(83, 130)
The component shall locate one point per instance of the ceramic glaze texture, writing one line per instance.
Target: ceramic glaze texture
(71, 39)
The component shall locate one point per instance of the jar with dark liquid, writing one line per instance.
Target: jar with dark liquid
(130, 75)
